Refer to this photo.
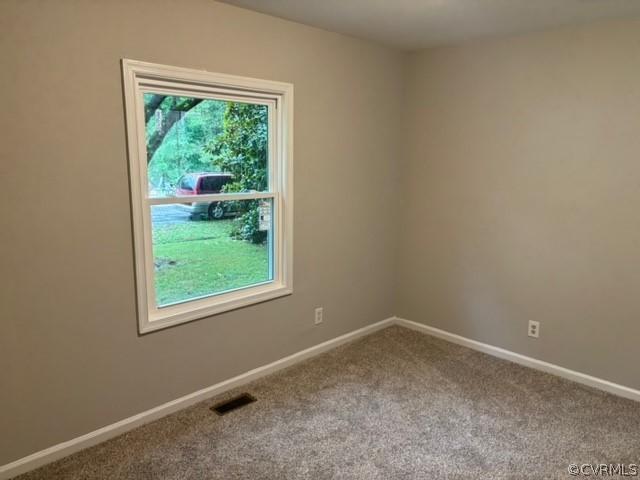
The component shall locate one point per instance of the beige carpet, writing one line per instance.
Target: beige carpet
(394, 405)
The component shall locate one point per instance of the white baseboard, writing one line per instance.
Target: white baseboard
(578, 377)
(63, 449)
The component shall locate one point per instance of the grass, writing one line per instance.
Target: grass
(199, 258)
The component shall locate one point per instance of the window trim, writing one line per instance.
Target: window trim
(140, 76)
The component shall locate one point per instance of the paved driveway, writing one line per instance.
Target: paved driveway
(170, 214)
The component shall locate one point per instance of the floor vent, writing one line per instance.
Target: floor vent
(233, 404)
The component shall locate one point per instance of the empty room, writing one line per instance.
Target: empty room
(302, 239)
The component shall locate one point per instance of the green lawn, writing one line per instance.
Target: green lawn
(200, 258)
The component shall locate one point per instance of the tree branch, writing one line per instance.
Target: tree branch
(177, 105)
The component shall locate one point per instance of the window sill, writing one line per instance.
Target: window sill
(195, 310)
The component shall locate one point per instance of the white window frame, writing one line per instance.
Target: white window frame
(139, 77)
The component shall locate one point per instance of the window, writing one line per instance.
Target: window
(215, 183)
(211, 185)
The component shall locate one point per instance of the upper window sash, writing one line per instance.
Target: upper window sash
(271, 102)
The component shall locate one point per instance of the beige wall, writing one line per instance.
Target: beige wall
(518, 168)
(522, 195)
(70, 357)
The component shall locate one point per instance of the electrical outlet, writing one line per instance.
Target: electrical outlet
(534, 329)
(318, 318)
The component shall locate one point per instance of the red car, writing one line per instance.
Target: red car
(203, 184)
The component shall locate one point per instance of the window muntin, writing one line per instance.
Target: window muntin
(189, 269)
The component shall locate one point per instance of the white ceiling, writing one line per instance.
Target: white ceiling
(416, 24)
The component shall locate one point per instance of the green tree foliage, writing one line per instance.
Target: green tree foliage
(177, 131)
(172, 109)
(241, 149)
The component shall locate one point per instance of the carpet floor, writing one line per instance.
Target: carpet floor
(397, 404)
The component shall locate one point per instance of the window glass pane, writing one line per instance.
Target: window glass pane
(197, 146)
(204, 249)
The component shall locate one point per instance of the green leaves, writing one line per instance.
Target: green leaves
(171, 110)
(183, 126)
(241, 149)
